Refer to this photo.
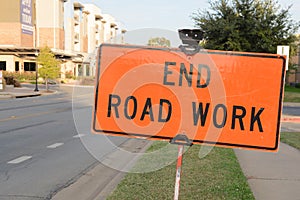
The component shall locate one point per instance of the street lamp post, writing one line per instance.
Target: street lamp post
(36, 76)
(123, 37)
(36, 52)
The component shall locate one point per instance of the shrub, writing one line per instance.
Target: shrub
(87, 81)
(20, 76)
(10, 80)
(69, 75)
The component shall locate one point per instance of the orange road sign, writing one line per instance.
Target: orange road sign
(231, 99)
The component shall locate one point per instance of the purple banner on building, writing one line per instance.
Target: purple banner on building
(26, 17)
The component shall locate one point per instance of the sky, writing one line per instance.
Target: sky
(163, 14)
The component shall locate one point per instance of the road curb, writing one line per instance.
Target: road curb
(5, 96)
(100, 181)
(18, 96)
(293, 119)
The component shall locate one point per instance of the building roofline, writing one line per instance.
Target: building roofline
(98, 17)
(78, 5)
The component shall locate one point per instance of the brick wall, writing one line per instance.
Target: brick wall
(27, 40)
(10, 34)
(46, 38)
(85, 44)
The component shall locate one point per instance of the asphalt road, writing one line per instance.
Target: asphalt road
(41, 151)
(291, 110)
(46, 144)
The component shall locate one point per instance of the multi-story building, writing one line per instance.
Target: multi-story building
(293, 77)
(101, 28)
(76, 37)
(50, 25)
(71, 29)
(17, 36)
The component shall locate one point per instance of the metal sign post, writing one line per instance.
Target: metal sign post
(1, 82)
(181, 141)
(190, 40)
(178, 171)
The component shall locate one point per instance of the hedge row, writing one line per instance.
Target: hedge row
(20, 76)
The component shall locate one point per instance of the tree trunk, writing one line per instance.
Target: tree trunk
(47, 86)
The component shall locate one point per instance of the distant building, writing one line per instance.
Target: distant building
(17, 30)
(71, 29)
(293, 77)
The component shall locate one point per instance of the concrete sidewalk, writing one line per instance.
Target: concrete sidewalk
(27, 90)
(274, 176)
(22, 92)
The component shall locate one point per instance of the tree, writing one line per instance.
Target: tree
(159, 41)
(50, 66)
(246, 25)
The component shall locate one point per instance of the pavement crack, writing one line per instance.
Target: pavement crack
(270, 179)
(7, 176)
(25, 127)
(32, 106)
(21, 197)
(72, 180)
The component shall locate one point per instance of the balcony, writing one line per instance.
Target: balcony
(96, 28)
(76, 38)
(98, 17)
(76, 19)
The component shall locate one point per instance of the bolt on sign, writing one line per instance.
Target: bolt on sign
(231, 99)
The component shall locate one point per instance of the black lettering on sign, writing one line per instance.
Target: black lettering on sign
(200, 113)
(129, 108)
(134, 102)
(188, 76)
(167, 71)
(203, 75)
(255, 117)
(224, 116)
(115, 105)
(147, 110)
(200, 76)
(160, 117)
(239, 117)
(220, 115)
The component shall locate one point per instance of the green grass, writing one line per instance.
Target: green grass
(292, 139)
(216, 176)
(291, 94)
(291, 89)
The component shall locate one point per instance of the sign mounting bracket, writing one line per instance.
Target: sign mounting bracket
(181, 139)
(190, 40)
(190, 45)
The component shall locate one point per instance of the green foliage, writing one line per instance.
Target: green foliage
(292, 139)
(69, 75)
(159, 41)
(291, 94)
(50, 66)
(217, 176)
(246, 25)
(292, 89)
(23, 76)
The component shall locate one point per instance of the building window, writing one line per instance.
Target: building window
(17, 66)
(3, 65)
(80, 70)
(87, 72)
(29, 66)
